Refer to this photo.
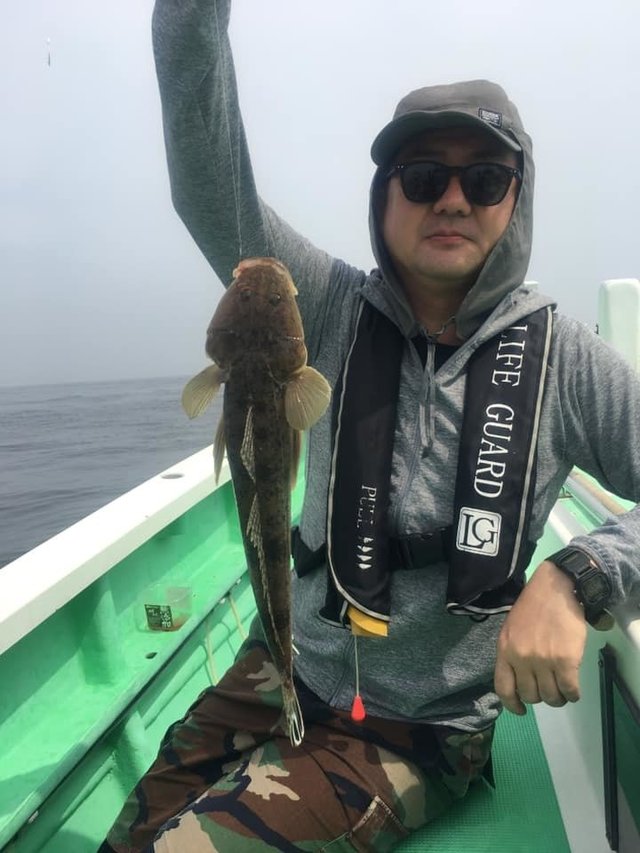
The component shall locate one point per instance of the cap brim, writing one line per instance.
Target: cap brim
(401, 129)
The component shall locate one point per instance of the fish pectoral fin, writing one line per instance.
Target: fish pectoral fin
(219, 446)
(306, 398)
(199, 392)
(296, 448)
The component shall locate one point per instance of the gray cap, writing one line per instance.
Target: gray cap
(477, 103)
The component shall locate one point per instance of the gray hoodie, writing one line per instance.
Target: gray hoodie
(433, 667)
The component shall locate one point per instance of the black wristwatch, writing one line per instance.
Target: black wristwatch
(592, 586)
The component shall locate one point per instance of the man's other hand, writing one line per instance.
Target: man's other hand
(541, 644)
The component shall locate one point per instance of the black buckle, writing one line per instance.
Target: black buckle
(404, 553)
(422, 549)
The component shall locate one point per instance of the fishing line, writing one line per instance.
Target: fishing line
(235, 178)
(355, 651)
(357, 709)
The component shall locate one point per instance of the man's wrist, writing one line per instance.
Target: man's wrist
(591, 585)
(555, 580)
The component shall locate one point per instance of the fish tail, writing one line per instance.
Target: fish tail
(293, 714)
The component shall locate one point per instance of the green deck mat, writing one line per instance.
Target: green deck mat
(520, 816)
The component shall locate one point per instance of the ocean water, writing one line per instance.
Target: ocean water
(66, 450)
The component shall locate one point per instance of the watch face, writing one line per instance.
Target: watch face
(596, 590)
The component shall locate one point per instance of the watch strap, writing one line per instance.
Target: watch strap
(592, 585)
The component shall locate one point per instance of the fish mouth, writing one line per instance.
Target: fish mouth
(216, 331)
(235, 333)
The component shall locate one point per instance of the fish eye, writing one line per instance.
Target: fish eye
(275, 298)
(245, 294)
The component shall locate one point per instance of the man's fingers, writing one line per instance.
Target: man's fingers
(558, 682)
(526, 685)
(568, 680)
(550, 692)
(505, 686)
(520, 684)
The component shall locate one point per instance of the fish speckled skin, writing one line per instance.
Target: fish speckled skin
(257, 344)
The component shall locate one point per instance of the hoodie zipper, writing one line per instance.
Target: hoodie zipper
(427, 400)
(424, 432)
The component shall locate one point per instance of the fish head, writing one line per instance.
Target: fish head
(258, 317)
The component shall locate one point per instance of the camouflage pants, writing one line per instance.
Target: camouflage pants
(227, 779)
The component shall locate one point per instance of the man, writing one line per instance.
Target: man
(420, 518)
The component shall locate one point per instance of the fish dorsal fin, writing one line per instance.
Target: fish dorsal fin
(254, 534)
(306, 398)
(219, 446)
(296, 446)
(254, 528)
(199, 392)
(247, 453)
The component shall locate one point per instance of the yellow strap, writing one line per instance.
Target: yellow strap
(366, 626)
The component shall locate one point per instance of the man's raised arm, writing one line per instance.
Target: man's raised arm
(212, 182)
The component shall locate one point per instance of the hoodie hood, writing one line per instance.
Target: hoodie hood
(506, 266)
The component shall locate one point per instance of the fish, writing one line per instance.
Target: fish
(271, 395)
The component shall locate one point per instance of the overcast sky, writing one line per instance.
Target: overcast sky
(99, 278)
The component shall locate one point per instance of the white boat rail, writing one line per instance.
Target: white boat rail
(44, 579)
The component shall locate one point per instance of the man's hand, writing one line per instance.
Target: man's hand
(541, 644)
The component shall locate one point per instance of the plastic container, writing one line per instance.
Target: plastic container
(163, 608)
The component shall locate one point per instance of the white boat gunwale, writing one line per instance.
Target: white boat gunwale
(43, 580)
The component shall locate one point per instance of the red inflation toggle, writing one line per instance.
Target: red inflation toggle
(357, 710)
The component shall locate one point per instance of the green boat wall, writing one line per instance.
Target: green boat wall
(88, 689)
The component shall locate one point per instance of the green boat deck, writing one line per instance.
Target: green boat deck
(520, 816)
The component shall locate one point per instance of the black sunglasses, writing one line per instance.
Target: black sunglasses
(425, 181)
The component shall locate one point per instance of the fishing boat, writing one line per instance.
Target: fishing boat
(110, 629)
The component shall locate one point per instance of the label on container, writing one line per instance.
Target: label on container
(159, 617)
